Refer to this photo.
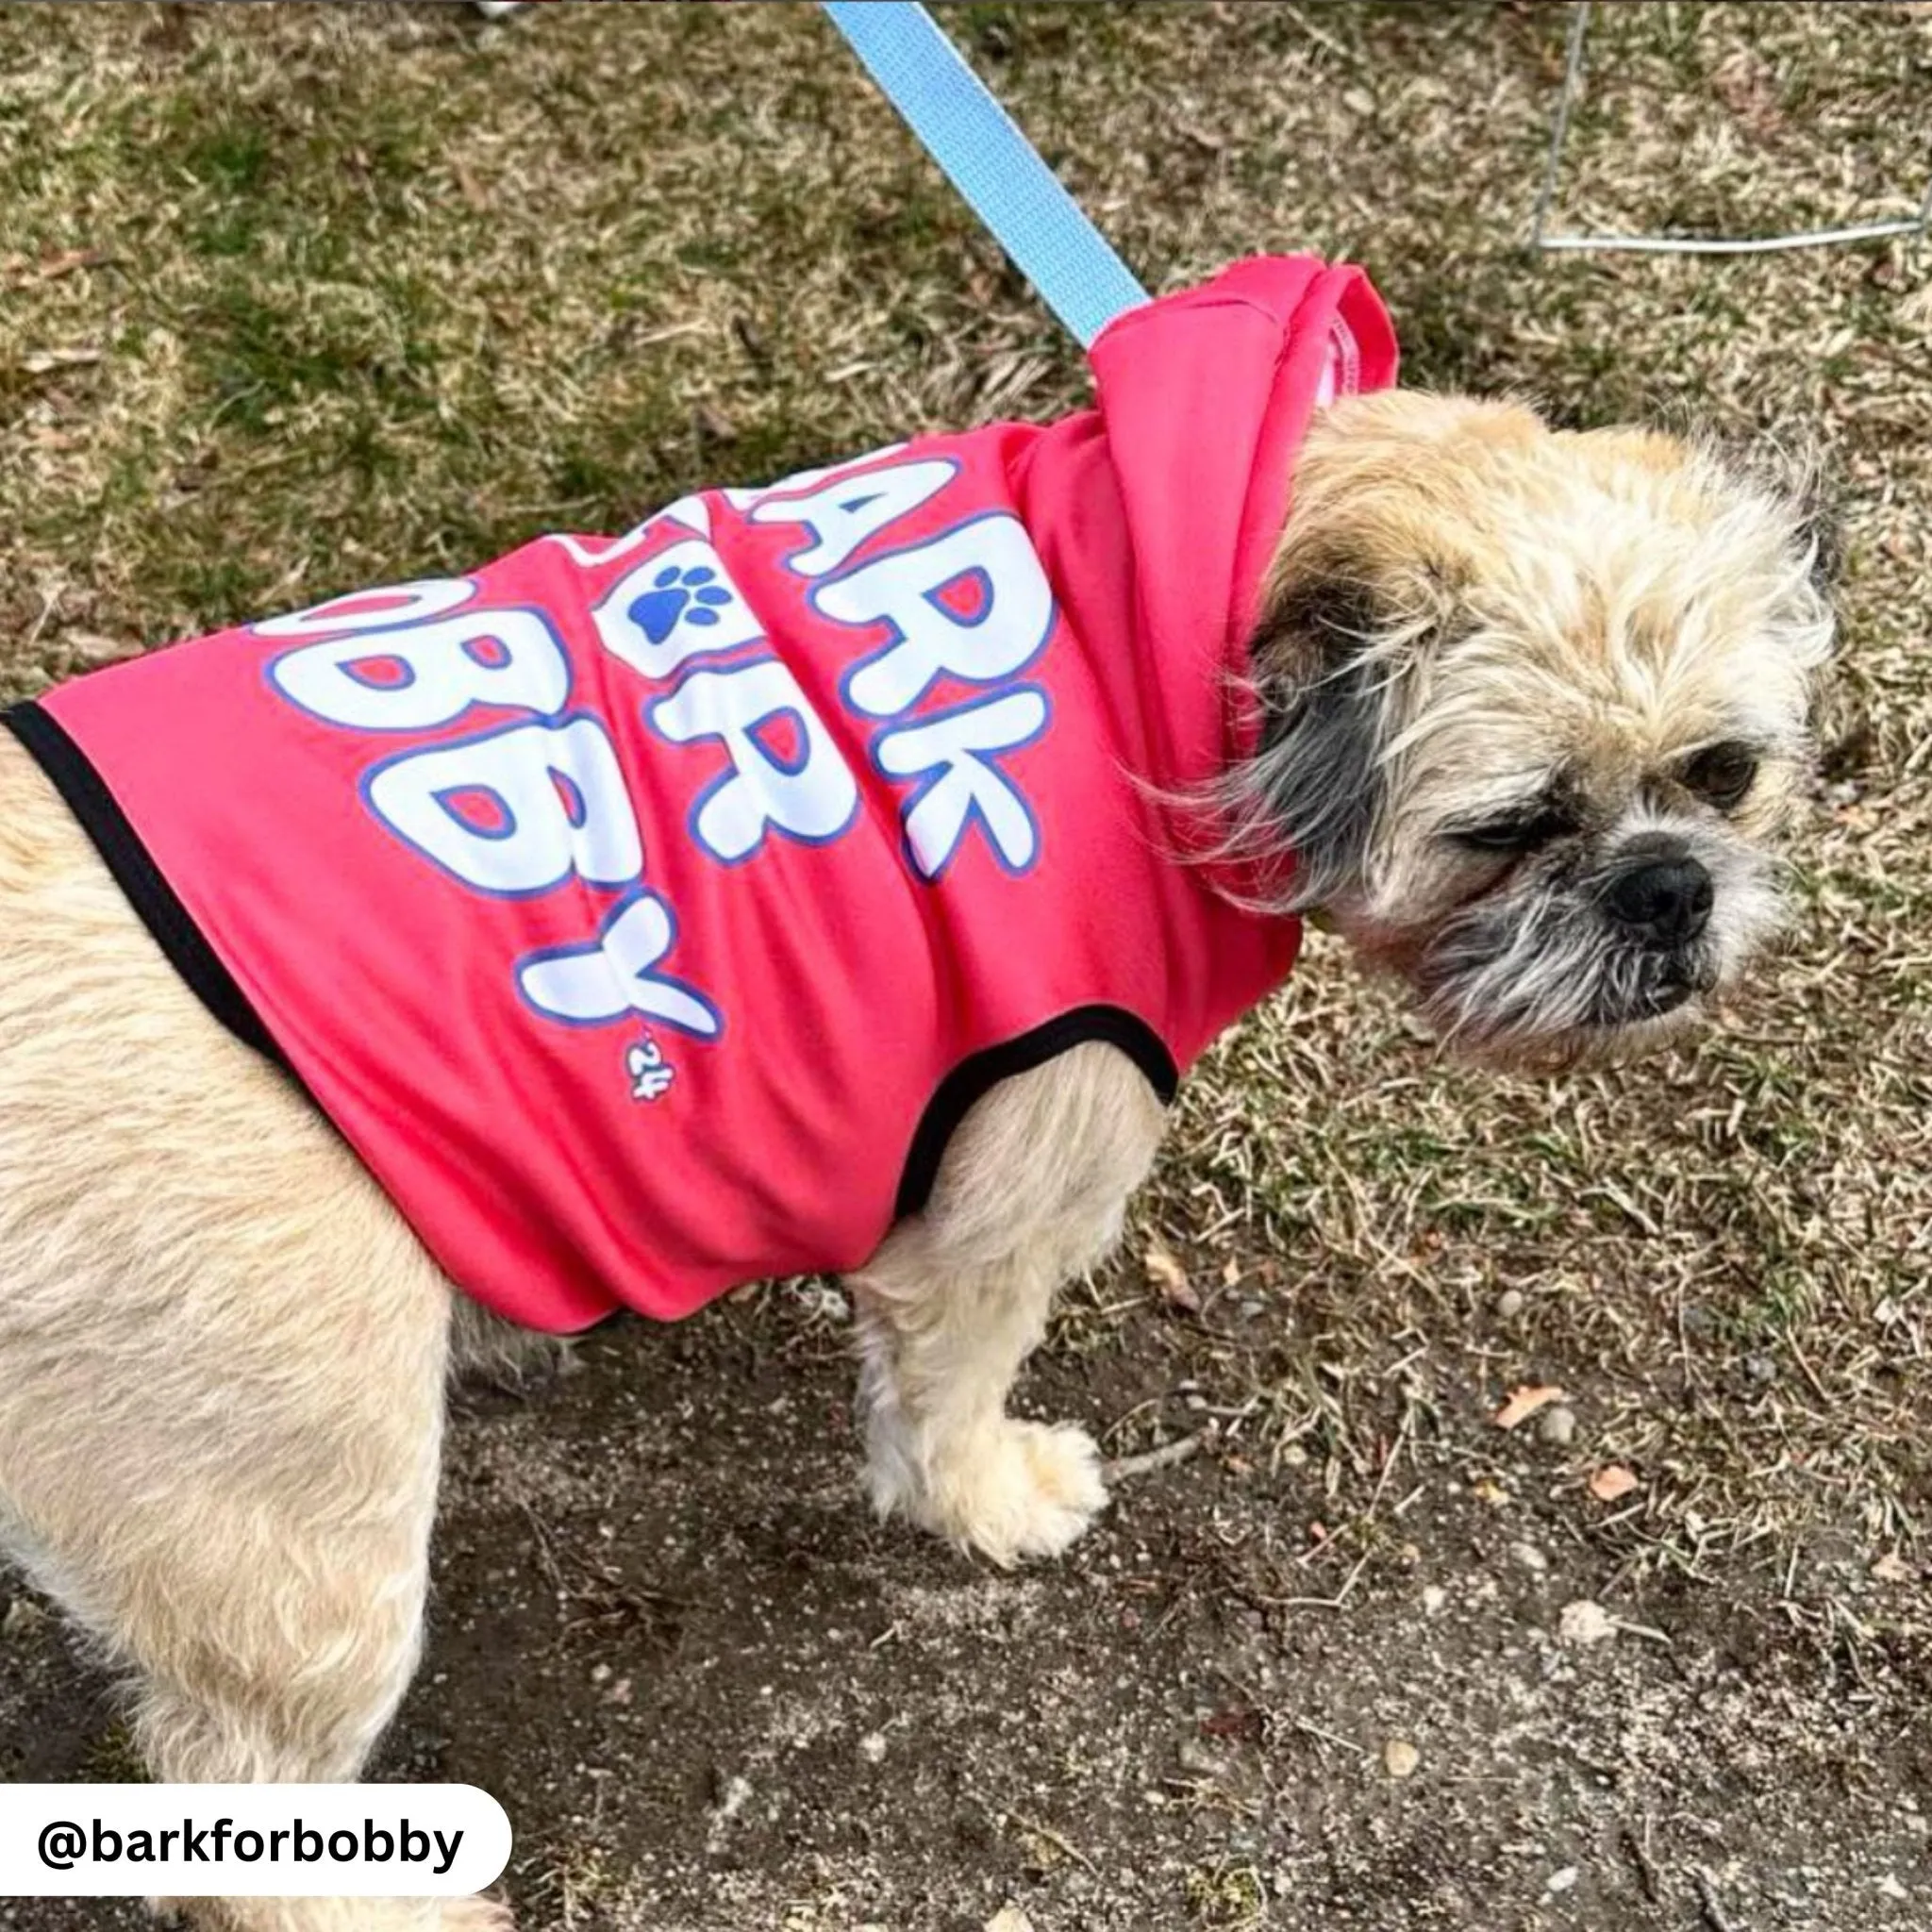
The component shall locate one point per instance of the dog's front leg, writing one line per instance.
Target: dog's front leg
(1032, 1190)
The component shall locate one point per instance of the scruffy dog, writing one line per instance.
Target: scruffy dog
(1520, 710)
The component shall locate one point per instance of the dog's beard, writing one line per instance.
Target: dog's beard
(1538, 976)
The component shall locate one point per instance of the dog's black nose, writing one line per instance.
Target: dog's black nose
(1664, 896)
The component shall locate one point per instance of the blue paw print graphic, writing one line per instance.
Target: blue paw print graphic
(690, 596)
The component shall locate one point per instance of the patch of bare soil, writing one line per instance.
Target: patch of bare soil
(713, 1693)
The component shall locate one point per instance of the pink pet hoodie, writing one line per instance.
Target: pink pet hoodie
(647, 911)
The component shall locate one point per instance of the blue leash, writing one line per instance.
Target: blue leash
(991, 162)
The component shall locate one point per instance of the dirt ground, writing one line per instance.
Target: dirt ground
(298, 298)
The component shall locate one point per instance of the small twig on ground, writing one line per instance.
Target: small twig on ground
(1125, 1467)
(48, 600)
(1389, 1462)
(1707, 1896)
(1055, 1840)
(1328, 1736)
(1326, 42)
(1648, 1632)
(1323, 1603)
(1647, 1872)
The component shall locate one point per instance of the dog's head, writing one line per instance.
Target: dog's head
(1534, 709)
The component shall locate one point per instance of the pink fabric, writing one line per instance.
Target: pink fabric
(857, 777)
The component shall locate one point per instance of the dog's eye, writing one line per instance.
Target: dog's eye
(1524, 833)
(1722, 774)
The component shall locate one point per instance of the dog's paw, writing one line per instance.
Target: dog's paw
(1025, 1489)
(479, 1913)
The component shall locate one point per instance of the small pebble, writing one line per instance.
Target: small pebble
(1195, 1756)
(1434, 1599)
(1529, 1557)
(872, 1747)
(1400, 1757)
(1558, 1425)
(1009, 1919)
(1761, 1368)
(1584, 1622)
(1509, 1303)
(22, 1614)
(1560, 1882)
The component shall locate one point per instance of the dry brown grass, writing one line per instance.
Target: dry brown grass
(297, 298)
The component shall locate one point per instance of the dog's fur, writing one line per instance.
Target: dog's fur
(223, 1356)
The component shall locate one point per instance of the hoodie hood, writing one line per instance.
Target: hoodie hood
(1206, 397)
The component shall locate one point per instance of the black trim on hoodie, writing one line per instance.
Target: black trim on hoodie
(152, 898)
(974, 1078)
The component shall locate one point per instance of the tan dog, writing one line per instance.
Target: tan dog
(1536, 704)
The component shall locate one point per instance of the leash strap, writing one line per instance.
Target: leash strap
(991, 162)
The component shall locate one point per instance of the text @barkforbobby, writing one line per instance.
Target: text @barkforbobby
(250, 1840)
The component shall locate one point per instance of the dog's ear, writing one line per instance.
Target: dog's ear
(1797, 479)
(1316, 782)
(1820, 526)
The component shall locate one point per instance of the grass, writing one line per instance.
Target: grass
(294, 299)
